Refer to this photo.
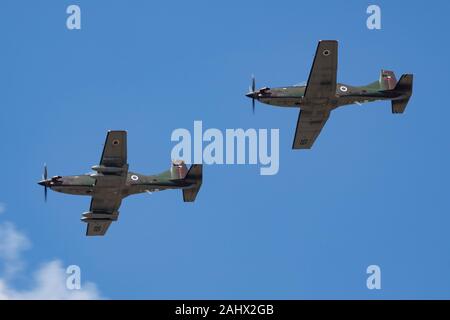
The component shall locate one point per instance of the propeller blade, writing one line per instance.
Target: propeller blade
(253, 91)
(44, 177)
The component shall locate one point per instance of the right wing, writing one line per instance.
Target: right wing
(98, 227)
(104, 210)
(322, 77)
(309, 125)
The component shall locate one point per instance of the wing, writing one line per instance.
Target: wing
(322, 77)
(309, 125)
(104, 210)
(97, 228)
(105, 204)
(115, 150)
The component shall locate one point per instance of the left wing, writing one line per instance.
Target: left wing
(322, 77)
(309, 125)
(105, 204)
(115, 150)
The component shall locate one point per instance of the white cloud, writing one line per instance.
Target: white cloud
(49, 284)
(12, 243)
(2, 207)
(49, 281)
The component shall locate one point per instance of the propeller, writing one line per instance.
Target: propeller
(44, 178)
(252, 90)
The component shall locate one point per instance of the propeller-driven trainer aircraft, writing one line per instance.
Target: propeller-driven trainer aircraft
(322, 94)
(111, 182)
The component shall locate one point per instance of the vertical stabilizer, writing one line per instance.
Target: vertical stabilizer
(178, 170)
(387, 80)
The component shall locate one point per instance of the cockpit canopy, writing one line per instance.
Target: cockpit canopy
(301, 84)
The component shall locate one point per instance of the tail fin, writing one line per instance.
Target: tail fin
(178, 170)
(387, 80)
(404, 86)
(194, 176)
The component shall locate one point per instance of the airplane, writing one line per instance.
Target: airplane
(111, 182)
(322, 94)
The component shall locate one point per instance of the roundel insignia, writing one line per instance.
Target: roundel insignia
(116, 142)
(326, 52)
(134, 177)
(343, 88)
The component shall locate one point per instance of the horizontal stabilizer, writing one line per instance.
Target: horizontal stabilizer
(404, 86)
(399, 106)
(194, 176)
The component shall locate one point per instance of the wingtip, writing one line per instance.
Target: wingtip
(124, 131)
(329, 41)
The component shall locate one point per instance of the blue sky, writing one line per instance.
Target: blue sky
(373, 190)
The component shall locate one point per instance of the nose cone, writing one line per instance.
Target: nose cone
(251, 95)
(43, 183)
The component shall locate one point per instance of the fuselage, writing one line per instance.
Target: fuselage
(294, 96)
(134, 183)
